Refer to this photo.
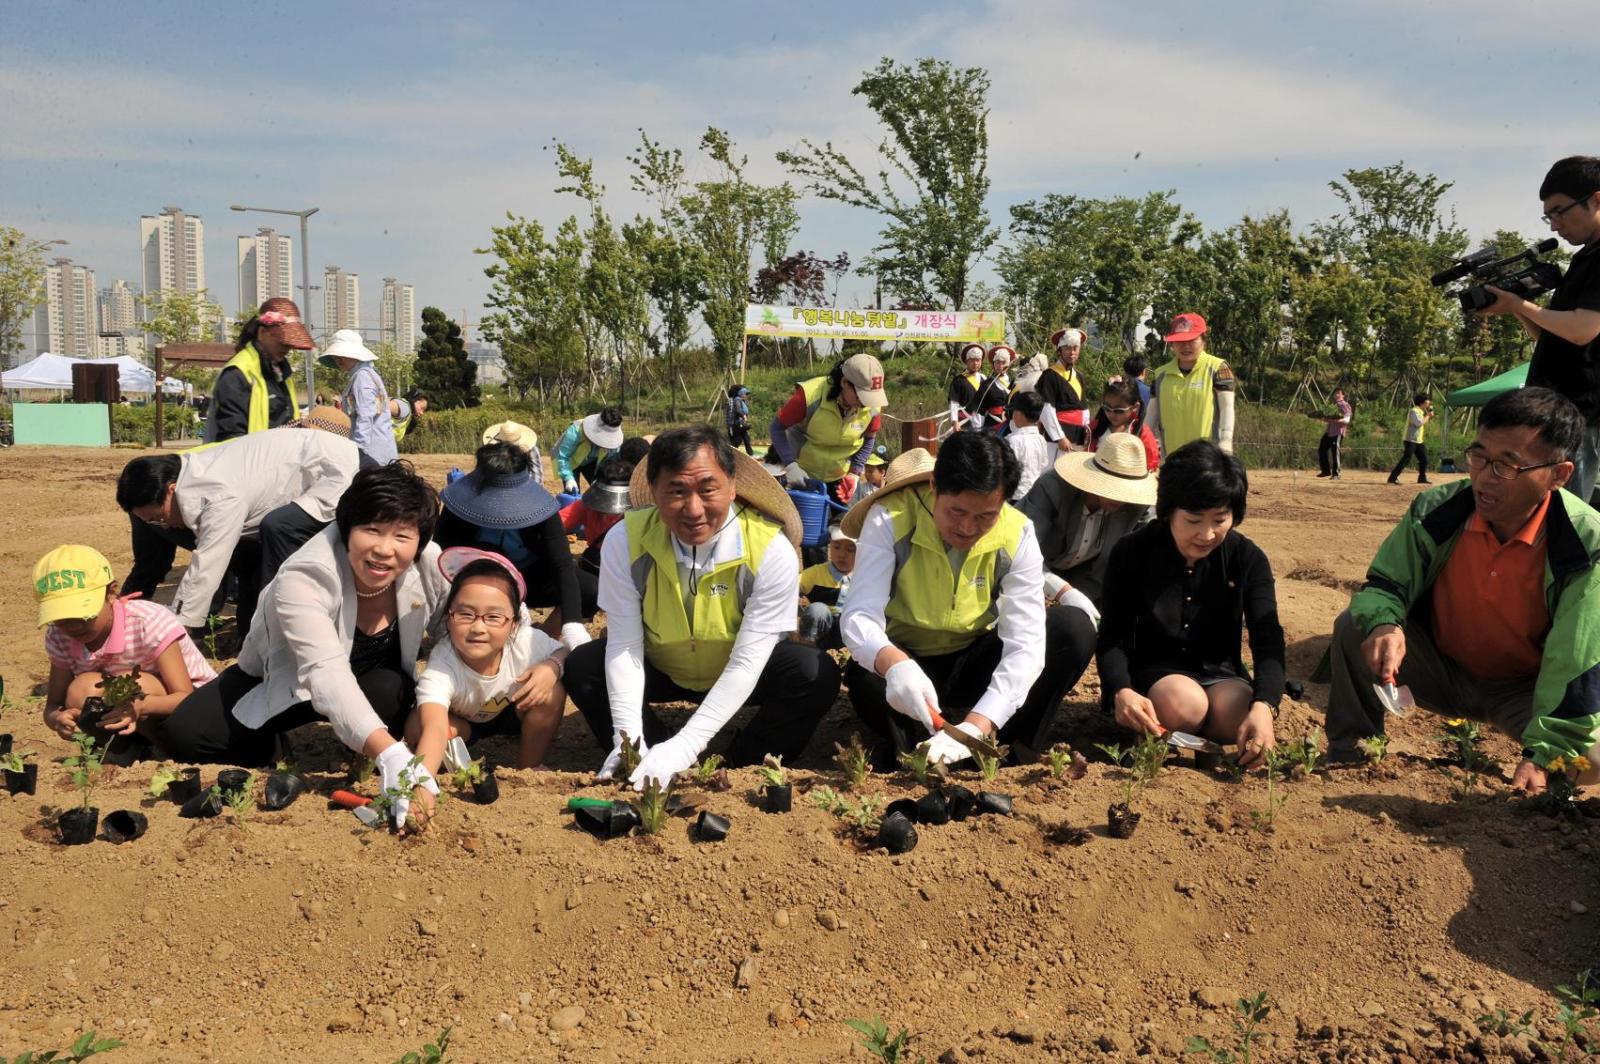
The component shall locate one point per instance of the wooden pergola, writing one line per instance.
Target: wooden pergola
(206, 356)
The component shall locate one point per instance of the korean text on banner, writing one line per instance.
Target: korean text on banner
(826, 322)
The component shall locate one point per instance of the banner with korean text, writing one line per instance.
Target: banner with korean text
(821, 323)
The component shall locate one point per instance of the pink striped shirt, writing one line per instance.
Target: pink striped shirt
(140, 631)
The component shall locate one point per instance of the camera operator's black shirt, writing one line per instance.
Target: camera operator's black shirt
(1572, 370)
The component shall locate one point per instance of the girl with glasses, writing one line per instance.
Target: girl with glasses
(1121, 411)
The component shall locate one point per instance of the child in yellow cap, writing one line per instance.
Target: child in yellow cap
(824, 586)
(91, 634)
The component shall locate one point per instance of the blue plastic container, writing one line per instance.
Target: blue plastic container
(814, 507)
(567, 500)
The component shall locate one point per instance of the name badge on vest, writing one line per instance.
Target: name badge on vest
(718, 590)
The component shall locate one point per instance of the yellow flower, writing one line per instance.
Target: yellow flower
(1455, 722)
(1557, 764)
(1579, 764)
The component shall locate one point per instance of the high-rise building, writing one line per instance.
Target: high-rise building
(397, 317)
(341, 300)
(266, 269)
(67, 322)
(174, 246)
(119, 309)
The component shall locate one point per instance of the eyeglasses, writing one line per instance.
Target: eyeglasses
(1476, 460)
(467, 618)
(1552, 215)
(1117, 410)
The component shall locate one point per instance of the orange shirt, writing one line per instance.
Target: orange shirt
(1489, 613)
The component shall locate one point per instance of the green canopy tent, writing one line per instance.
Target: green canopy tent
(1480, 393)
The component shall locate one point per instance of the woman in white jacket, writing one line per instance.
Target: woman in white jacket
(337, 636)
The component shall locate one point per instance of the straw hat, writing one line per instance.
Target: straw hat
(281, 312)
(1115, 470)
(328, 419)
(911, 467)
(752, 485)
(512, 432)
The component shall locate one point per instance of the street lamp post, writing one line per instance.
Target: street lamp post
(305, 287)
(5, 316)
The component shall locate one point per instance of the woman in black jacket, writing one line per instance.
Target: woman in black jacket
(1180, 593)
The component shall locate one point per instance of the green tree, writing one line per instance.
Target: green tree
(21, 287)
(538, 299)
(443, 369)
(395, 369)
(937, 119)
(675, 267)
(181, 317)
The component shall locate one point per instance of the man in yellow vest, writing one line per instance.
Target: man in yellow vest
(701, 586)
(1191, 397)
(255, 390)
(826, 431)
(947, 608)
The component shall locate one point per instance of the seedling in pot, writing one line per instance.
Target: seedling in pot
(1065, 763)
(710, 774)
(1252, 1013)
(77, 825)
(916, 762)
(204, 805)
(431, 1053)
(240, 799)
(854, 762)
(20, 777)
(119, 691)
(628, 758)
(161, 779)
(875, 1037)
(653, 807)
(467, 776)
(777, 792)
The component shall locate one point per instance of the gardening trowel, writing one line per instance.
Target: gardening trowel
(1184, 741)
(456, 756)
(973, 743)
(1395, 699)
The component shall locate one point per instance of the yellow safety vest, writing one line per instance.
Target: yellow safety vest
(248, 362)
(829, 439)
(1187, 402)
(400, 428)
(692, 651)
(931, 609)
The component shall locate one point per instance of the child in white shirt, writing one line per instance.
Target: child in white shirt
(496, 673)
(1034, 452)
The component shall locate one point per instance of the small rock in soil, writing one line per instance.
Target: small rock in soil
(1216, 997)
(828, 919)
(746, 974)
(566, 1019)
(574, 900)
(780, 918)
(426, 927)
(1577, 908)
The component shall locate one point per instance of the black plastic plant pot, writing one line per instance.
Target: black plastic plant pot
(5, 745)
(281, 790)
(486, 790)
(933, 809)
(77, 826)
(24, 782)
(962, 802)
(233, 779)
(711, 827)
(778, 797)
(623, 818)
(996, 804)
(186, 786)
(1121, 820)
(897, 834)
(202, 806)
(906, 807)
(595, 821)
(1208, 760)
(124, 825)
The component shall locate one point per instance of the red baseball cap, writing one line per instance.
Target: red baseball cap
(1185, 327)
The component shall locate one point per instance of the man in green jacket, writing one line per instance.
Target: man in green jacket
(1483, 600)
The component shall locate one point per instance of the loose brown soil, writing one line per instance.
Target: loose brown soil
(1382, 915)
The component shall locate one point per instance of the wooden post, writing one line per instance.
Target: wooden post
(160, 413)
(923, 432)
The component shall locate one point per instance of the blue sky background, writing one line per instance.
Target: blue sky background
(415, 127)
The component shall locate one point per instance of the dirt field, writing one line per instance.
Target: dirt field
(1382, 916)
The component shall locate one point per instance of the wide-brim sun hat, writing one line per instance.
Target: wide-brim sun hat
(282, 313)
(513, 432)
(502, 501)
(455, 559)
(346, 343)
(328, 419)
(909, 468)
(752, 485)
(1117, 470)
(606, 437)
(605, 498)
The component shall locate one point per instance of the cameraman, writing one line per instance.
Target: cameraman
(1565, 354)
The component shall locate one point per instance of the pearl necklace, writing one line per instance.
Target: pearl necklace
(374, 594)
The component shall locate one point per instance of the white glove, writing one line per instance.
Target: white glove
(664, 762)
(1074, 597)
(1053, 587)
(908, 689)
(394, 761)
(613, 761)
(574, 635)
(795, 476)
(947, 750)
(569, 486)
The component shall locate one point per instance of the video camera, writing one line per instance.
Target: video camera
(1522, 274)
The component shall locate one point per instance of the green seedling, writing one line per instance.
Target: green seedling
(213, 624)
(1374, 747)
(1141, 763)
(916, 762)
(866, 813)
(384, 803)
(1277, 762)
(159, 780)
(1305, 751)
(361, 769)
(85, 766)
(14, 760)
(467, 776)
(989, 766)
(653, 807)
(1500, 1022)
(1252, 1013)
(119, 691)
(705, 773)
(875, 1037)
(1561, 785)
(772, 772)
(1065, 763)
(853, 762)
(1580, 1004)
(83, 1047)
(431, 1053)
(828, 800)
(242, 799)
(628, 758)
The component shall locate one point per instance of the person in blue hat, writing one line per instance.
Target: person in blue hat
(739, 418)
(500, 507)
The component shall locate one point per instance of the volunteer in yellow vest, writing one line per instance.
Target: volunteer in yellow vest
(1062, 389)
(947, 607)
(825, 432)
(1191, 397)
(584, 445)
(255, 390)
(403, 413)
(700, 584)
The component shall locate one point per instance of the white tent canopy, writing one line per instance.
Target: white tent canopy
(55, 372)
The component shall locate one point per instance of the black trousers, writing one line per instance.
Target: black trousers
(543, 591)
(795, 692)
(203, 729)
(1421, 452)
(1328, 455)
(962, 678)
(284, 531)
(155, 550)
(740, 437)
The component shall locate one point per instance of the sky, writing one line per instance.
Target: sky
(415, 127)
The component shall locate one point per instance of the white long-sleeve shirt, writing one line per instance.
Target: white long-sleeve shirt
(1020, 615)
(770, 613)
